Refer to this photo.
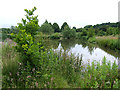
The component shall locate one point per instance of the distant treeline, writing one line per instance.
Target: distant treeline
(88, 30)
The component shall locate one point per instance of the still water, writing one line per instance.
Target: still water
(89, 52)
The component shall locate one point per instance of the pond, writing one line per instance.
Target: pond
(88, 51)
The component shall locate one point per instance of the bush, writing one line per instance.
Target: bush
(91, 33)
(84, 38)
(69, 33)
(78, 35)
(55, 36)
(101, 33)
(84, 33)
(92, 39)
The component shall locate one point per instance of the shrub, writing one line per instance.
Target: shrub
(84, 32)
(92, 39)
(68, 33)
(101, 33)
(55, 36)
(78, 35)
(91, 33)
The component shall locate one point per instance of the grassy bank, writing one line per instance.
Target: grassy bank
(109, 42)
(56, 70)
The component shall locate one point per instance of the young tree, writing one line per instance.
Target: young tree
(26, 46)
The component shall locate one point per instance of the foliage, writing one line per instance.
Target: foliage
(5, 32)
(101, 33)
(79, 29)
(55, 36)
(13, 29)
(56, 27)
(112, 31)
(113, 44)
(68, 33)
(101, 76)
(46, 28)
(91, 33)
(46, 76)
(26, 46)
(70, 73)
(78, 35)
(84, 32)
(88, 26)
(64, 25)
(30, 24)
(92, 40)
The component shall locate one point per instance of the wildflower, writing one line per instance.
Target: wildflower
(95, 78)
(114, 82)
(52, 79)
(36, 83)
(11, 79)
(33, 69)
(10, 73)
(45, 85)
(20, 63)
(15, 44)
(28, 76)
(48, 83)
(17, 73)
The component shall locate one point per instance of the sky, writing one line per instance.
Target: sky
(78, 13)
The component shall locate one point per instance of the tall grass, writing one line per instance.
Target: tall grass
(9, 59)
(56, 70)
(113, 44)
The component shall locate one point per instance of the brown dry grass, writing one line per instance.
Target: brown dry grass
(106, 37)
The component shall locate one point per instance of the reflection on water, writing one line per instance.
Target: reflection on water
(89, 52)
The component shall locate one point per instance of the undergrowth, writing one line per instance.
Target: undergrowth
(56, 70)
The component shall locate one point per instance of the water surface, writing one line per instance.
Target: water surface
(89, 52)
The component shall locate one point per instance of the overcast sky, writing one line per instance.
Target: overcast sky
(75, 12)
